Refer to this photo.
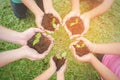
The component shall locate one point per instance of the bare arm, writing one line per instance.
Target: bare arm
(75, 5)
(31, 4)
(110, 48)
(103, 70)
(103, 7)
(9, 35)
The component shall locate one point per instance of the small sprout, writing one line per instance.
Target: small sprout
(82, 45)
(73, 23)
(78, 46)
(54, 25)
(54, 22)
(58, 56)
(64, 54)
(37, 37)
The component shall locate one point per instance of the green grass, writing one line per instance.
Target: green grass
(103, 29)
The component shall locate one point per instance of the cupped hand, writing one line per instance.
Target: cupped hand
(31, 53)
(52, 63)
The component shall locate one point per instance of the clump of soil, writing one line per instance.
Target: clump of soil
(59, 62)
(81, 49)
(42, 45)
(48, 22)
(75, 25)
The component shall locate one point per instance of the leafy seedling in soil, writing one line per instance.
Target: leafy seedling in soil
(59, 60)
(39, 42)
(49, 22)
(81, 49)
(75, 25)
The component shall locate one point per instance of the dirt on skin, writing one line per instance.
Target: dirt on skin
(76, 28)
(41, 46)
(81, 50)
(47, 22)
(59, 62)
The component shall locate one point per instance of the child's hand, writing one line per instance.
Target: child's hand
(69, 15)
(31, 54)
(89, 44)
(86, 21)
(27, 34)
(52, 64)
(62, 69)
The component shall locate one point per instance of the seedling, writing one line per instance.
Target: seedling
(73, 23)
(37, 38)
(60, 56)
(53, 22)
(80, 45)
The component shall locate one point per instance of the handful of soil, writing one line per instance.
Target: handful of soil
(81, 49)
(75, 25)
(39, 42)
(59, 62)
(49, 22)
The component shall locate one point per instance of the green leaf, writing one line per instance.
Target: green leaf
(76, 20)
(82, 45)
(54, 25)
(71, 24)
(53, 20)
(64, 54)
(35, 41)
(37, 36)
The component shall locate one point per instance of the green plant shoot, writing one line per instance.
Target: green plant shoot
(64, 54)
(73, 23)
(37, 36)
(53, 22)
(82, 45)
(78, 46)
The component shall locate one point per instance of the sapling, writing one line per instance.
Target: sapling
(54, 22)
(37, 38)
(73, 23)
(60, 56)
(80, 45)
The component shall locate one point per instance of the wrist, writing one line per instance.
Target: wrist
(53, 69)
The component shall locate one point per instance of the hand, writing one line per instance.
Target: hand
(38, 21)
(52, 64)
(89, 44)
(26, 35)
(85, 58)
(62, 69)
(86, 21)
(55, 13)
(31, 54)
(69, 15)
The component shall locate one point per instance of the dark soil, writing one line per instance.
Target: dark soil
(59, 62)
(82, 50)
(77, 28)
(47, 22)
(41, 46)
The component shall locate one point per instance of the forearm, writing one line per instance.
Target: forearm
(48, 5)
(10, 56)
(9, 35)
(31, 4)
(103, 7)
(110, 48)
(75, 5)
(46, 75)
(103, 70)
(60, 76)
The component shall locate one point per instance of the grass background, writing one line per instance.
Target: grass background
(103, 29)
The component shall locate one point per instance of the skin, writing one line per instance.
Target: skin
(109, 48)
(51, 70)
(38, 12)
(87, 16)
(23, 52)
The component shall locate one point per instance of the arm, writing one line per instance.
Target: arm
(103, 7)
(102, 70)
(9, 35)
(75, 6)
(23, 52)
(49, 72)
(31, 4)
(110, 48)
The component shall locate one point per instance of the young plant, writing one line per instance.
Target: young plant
(37, 38)
(73, 23)
(80, 45)
(60, 56)
(54, 22)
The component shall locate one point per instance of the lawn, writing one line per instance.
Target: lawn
(103, 29)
